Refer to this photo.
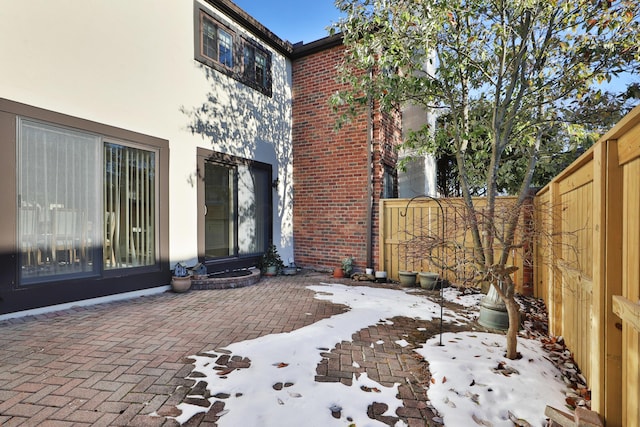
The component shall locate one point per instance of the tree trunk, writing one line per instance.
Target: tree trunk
(513, 311)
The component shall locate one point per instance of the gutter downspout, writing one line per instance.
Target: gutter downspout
(370, 183)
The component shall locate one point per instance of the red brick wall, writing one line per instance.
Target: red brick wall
(330, 168)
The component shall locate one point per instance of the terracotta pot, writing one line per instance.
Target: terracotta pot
(338, 273)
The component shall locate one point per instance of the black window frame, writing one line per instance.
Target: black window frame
(237, 259)
(239, 69)
(249, 65)
(389, 187)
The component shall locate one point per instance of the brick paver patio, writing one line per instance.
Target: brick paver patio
(124, 363)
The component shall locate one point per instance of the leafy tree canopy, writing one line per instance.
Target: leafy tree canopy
(512, 79)
(503, 74)
(578, 129)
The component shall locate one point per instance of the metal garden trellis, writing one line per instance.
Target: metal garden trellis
(442, 249)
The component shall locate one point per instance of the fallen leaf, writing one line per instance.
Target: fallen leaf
(448, 402)
(475, 398)
(480, 421)
(444, 380)
(433, 380)
(519, 422)
(295, 394)
(281, 365)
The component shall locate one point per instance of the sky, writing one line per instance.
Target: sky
(472, 383)
(293, 20)
(297, 21)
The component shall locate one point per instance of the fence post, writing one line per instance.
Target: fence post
(613, 378)
(554, 277)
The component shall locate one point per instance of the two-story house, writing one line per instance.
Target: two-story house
(140, 134)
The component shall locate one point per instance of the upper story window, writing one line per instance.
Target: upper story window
(225, 48)
(209, 32)
(221, 48)
(216, 43)
(255, 65)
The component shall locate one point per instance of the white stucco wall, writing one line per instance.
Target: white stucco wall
(420, 176)
(130, 64)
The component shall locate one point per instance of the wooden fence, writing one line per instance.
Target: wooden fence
(588, 272)
(411, 229)
(586, 268)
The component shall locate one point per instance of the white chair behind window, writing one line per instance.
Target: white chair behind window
(109, 232)
(29, 234)
(66, 235)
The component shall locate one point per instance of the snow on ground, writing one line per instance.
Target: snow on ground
(474, 384)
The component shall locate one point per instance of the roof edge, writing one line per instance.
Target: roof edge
(300, 50)
(252, 25)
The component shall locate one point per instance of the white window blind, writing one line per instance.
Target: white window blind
(130, 207)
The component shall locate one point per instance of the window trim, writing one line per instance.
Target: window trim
(238, 69)
(49, 293)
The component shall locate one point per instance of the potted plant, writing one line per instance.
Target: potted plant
(347, 266)
(407, 278)
(180, 281)
(271, 263)
(338, 272)
(428, 280)
(381, 276)
(291, 269)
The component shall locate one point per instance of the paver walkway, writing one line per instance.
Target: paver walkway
(115, 364)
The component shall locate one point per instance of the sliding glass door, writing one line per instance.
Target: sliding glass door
(219, 202)
(58, 201)
(85, 204)
(236, 212)
(129, 227)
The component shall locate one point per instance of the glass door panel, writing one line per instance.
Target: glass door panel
(254, 186)
(219, 207)
(58, 207)
(129, 227)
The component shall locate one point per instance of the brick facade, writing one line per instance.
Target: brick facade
(335, 198)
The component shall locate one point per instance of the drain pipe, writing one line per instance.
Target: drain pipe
(370, 183)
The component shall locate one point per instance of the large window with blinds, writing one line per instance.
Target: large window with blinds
(86, 204)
